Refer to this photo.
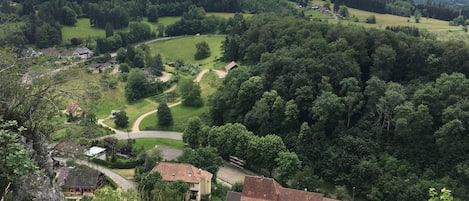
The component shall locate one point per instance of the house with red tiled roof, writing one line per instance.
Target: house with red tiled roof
(200, 181)
(267, 189)
(230, 66)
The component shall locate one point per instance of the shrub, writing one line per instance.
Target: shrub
(118, 164)
(371, 19)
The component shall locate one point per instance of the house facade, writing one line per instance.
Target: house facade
(267, 189)
(200, 181)
(77, 181)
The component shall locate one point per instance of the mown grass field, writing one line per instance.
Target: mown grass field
(440, 28)
(181, 115)
(150, 143)
(184, 49)
(169, 20)
(82, 29)
(134, 110)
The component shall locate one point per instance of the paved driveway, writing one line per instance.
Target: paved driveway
(169, 153)
(229, 174)
(147, 134)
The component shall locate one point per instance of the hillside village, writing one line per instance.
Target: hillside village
(234, 100)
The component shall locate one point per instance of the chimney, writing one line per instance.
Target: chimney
(200, 170)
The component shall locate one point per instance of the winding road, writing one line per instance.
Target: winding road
(136, 133)
(198, 78)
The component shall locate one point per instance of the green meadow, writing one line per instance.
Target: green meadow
(184, 49)
(150, 143)
(181, 115)
(82, 29)
(440, 28)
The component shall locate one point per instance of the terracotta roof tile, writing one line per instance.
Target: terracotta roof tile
(267, 189)
(233, 196)
(180, 171)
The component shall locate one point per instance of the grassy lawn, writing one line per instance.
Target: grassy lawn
(180, 113)
(126, 173)
(209, 84)
(81, 29)
(150, 143)
(184, 49)
(168, 20)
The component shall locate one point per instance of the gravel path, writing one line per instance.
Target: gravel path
(135, 127)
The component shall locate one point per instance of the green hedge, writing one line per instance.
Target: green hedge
(119, 164)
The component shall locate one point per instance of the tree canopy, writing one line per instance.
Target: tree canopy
(360, 107)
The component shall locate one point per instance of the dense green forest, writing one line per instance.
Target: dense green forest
(383, 112)
(39, 22)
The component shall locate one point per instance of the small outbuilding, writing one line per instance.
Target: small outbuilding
(230, 66)
(96, 152)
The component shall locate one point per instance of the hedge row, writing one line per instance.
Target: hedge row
(119, 164)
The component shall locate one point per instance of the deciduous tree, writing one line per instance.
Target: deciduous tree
(203, 50)
(165, 118)
(121, 119)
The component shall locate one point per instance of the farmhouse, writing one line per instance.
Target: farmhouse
(83, 53)
(199, 180)
(267, 189)
(78, 181)
(230, 66)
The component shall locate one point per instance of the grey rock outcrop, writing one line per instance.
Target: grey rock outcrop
(36, 188)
